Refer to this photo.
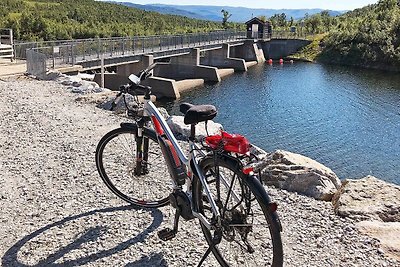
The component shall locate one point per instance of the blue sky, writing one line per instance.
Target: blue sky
(287, 4)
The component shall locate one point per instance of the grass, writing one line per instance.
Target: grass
(311, 51)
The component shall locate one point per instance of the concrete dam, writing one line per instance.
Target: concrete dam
(183, 61)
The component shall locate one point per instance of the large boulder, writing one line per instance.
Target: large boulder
(294, 172)
(368, 198)
(105, 101)
(182, 131)
(388, 234)
(85, 87)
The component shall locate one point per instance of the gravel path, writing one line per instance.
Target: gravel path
(55, 211)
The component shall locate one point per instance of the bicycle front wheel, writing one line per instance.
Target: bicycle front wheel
(249, 228)
(116, 162)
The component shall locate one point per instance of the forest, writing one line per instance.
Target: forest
(369, 36)
(72, 19)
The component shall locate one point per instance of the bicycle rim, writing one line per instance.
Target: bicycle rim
(116, 161)
(250, 234)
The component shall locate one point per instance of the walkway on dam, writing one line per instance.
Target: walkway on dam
(121, 50)
(89, 52)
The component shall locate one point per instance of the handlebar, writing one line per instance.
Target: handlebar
(131, 87)
(128, 88)
(144, 74)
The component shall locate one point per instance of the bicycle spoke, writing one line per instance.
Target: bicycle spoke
(117, 169)
(246, 235)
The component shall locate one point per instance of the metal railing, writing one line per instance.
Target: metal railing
(63, 53)
(71, 52)
(291, 35)
(115, 46)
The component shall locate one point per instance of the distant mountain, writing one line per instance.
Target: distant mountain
(165, 9)
(239, 14)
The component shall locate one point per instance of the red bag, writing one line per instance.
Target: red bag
(235, 143)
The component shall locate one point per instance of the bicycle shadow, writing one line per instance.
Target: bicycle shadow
(155, 259)
(10, 258)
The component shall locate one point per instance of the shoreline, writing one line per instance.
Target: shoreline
(52, 197)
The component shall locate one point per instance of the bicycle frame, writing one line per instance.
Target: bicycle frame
(161, 128)
(216, 182)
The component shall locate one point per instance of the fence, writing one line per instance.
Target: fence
(71, 52)
(291, 35)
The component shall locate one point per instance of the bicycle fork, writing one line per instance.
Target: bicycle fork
(142, 153)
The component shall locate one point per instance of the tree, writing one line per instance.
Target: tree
(65, 19)
(279, 20)
(264, 18)
(291, 22)
(225, 17)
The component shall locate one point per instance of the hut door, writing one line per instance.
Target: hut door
(254, 30)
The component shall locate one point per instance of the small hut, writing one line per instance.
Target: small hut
(258, 29)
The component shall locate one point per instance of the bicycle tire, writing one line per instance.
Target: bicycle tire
(267, 243)
(116, 152)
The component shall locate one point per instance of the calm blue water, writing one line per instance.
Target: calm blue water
(345, 118)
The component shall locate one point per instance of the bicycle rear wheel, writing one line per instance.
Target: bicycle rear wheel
(250, 226)
(116, 162)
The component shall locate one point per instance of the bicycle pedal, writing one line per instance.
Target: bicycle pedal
(166, 234)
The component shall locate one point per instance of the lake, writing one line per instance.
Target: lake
(346, 118)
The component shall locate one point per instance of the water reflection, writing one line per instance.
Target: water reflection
(346, 118)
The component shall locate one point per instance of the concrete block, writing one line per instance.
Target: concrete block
(251, 63)
(190, 59)
(207, 73)
(219, 58)
(189, 84)
(135, 68)
(249, 51)
(111, 80)
(280, 48)
(180, 72)
(162, 87)
(225, 72)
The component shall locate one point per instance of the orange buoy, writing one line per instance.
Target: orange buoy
(270, 61)
(281, 61)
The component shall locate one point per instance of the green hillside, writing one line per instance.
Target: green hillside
(369, 37)
(66, 19)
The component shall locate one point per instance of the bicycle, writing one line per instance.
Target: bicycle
(218, 183)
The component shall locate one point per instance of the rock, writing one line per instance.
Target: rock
(86, 76)
(68, 80)
(368, 198)
(47, 169)
(52, 75)
(85, 87)
(294, 172)
(105, 99)
(388, 234)
(164, 113)
(258, 152)
(182, 131)
(77, 83)
(121, 107)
